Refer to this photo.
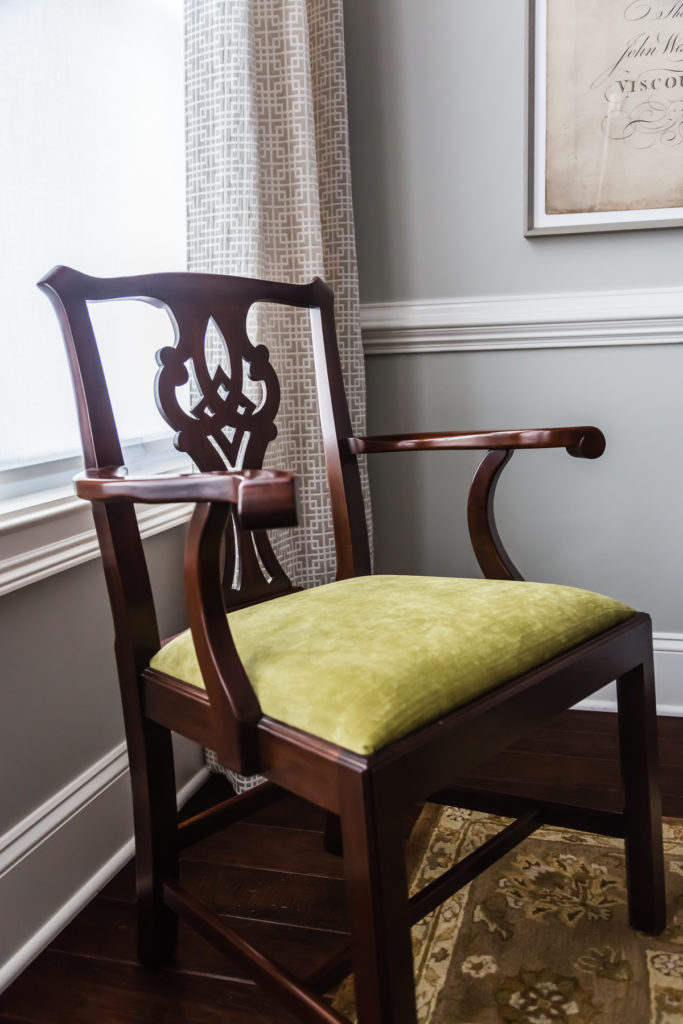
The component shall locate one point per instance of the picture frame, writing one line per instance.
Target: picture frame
(605, 116)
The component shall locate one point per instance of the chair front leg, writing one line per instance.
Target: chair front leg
(156, 840)
(377, 902)
(638, 744)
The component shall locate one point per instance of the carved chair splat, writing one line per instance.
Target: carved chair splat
(226, 432)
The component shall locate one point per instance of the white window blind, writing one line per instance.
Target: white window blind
(92, 176)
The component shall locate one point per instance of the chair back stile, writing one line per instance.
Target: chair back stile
(348, 510)
(127, 578)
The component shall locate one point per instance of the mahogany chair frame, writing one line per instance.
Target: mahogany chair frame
(367, 794)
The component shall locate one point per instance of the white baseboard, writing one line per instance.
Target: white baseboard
(55, 860)
(668, 649)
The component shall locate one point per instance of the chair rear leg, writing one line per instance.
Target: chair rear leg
(156, 841)
(377, 902)
(332, 837)
(643, 810)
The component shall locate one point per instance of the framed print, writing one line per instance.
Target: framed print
(605, 121)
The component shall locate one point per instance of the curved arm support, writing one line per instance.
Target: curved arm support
(582, 442)
(235, 706)
(493, 559)
(265, 498)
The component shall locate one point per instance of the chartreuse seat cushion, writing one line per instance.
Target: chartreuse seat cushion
(364, 661)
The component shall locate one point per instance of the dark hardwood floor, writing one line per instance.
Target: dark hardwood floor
(273, 874)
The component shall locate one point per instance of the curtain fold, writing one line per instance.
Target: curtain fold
(269, 195)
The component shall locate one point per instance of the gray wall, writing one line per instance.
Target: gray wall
(61, 709)
(611, 525)
(60, 731)
(437, 115)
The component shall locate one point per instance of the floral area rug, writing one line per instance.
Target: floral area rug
(542, 936)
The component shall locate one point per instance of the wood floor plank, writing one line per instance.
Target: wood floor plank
(105, 930)
(585, 796)
(563, 742)
(560, 738)
(290, 812)
(578, 722)
(122, 886)
(584, 722)
(246, 845)
(249, 844)
(268, 895)
(252, 892)
(528, 767)
(68, 990)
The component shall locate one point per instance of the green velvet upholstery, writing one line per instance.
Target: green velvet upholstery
(365, 661)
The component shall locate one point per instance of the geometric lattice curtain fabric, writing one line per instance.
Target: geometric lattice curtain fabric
(269, 196)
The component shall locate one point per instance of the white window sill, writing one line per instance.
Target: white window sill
(53, 531)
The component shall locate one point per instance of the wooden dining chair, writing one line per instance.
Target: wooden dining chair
(363, 696)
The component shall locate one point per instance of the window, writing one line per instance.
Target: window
(93, 176)
(92, 109)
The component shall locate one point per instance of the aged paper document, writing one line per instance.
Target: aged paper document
(614, 134)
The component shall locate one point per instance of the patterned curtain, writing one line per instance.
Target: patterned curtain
(269, 195)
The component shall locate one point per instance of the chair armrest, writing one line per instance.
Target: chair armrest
(265, 498)
(582, 442)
